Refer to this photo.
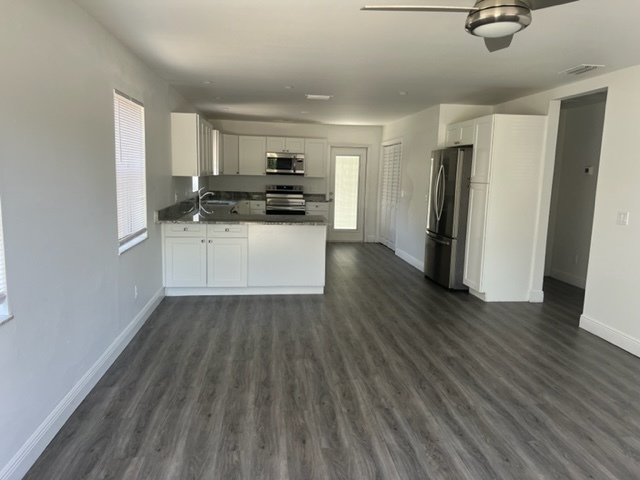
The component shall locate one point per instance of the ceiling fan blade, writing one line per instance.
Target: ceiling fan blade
(538, 4)
(495, 44)
(414, 8)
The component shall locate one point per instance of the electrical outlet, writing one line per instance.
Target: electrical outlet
(623, 219)
(135, 291)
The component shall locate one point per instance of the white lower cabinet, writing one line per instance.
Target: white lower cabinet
(474, 249)
(244, 259)
(227, 262)
(215, 256)
(185, 260)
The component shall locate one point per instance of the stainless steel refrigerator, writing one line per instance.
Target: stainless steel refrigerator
(448, 203)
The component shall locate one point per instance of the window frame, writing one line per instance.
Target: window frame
(5, 312)
(131, 175)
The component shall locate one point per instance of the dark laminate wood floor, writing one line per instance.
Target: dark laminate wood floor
(387, 376)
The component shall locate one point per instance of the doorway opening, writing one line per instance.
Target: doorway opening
(346, 213)
(573, 194)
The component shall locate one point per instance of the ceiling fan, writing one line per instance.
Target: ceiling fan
(495, 20)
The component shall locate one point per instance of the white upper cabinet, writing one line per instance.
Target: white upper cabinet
(460, 134)
(482, 142)
(285, 144)
(229, 153)
(194, 146)
(315, 157)
(252, 155)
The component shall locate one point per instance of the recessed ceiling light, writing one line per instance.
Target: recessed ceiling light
(225, 108)
(402, 93)
(288, 87)
(208, 82)
(311, 96)
(218, 98)
(303, 111)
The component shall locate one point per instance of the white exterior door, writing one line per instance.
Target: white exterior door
(348, 167)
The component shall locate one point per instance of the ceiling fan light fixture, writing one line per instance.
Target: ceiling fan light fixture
(498, 21)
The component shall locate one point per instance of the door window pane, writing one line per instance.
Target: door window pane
(346, 192)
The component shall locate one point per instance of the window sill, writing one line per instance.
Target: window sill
(5, 319)
(132, 243)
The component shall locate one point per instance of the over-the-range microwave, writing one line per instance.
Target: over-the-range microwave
(283, 163)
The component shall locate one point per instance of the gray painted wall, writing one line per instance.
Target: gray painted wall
(70, 292)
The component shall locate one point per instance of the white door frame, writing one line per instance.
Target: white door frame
(348, 235)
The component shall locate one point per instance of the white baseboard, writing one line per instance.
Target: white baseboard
(212, 291)
(611, 335)
(536, 296)
(372, 239)
(569, 278)
(413, 261)
(26, 456)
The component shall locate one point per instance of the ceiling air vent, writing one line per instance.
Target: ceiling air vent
(581, 69)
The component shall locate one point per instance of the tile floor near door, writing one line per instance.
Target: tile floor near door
(387, 376)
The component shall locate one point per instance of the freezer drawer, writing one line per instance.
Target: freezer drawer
(441, 262)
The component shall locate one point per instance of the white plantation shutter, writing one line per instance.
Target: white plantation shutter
(130, 171)
(3, 276)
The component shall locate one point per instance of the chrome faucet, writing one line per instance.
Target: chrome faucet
(201, 196)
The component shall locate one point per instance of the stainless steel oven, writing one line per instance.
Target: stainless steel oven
(285, 163)
(285, 200)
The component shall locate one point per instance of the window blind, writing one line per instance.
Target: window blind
(3, 276)
(130, 171)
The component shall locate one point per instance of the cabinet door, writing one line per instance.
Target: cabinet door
(453, 135)
(227, 262)
(294, 145)
(252, 152)
(315, 157)
(185, 262)
(467, 131)
(230, 165)
(459, 134)
(476, 228)
(482, 145)
(185, 135)
(276, 144)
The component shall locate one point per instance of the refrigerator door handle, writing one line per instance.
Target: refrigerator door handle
(437, 240)
(436, 194)
(444, 188)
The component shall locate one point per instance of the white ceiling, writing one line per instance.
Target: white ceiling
(251, 49)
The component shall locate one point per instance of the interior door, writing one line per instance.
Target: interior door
(389, 193)
(348, 167)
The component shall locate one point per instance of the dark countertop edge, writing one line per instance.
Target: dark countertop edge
(316, 220)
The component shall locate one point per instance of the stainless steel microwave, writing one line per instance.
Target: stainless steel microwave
(285, 163)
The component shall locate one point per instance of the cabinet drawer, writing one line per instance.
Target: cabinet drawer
(184, 230)
(226, 230)
(317, 207)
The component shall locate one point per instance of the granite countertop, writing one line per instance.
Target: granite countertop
(186, 212)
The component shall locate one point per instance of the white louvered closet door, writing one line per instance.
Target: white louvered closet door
(392, 158)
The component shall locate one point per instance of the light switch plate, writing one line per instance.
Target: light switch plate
(623, 218)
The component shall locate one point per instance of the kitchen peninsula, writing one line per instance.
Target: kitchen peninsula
(220, 253)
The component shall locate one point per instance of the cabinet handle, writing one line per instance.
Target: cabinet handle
(226, 229)
(201, 241)
(186, 229)
(210, 241)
